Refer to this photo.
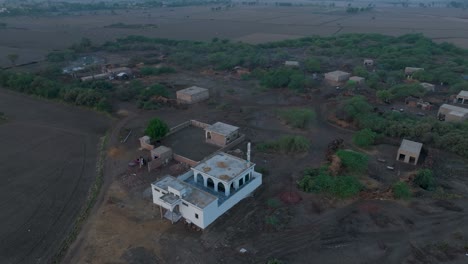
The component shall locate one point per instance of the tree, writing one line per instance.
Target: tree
(401, 190)
(13, 57)
(425, 179)
(156, 129)
(312, 65)
(364, 138)
(384, 95)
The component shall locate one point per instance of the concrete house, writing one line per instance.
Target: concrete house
(159, 156)
(428, 86)
(337, 76)
(452, 113)
(291, 63)
(462, 97)
(207, 191)
(192, 95)
(409, 151)
(221, 134)
(357, 79)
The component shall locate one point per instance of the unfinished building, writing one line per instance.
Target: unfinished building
(452, 113)
(368, 62)
(221, 134)
(409, 151)
(192, 95)
(145, 143)
(207, 191)
(462, 97)
(337, 76)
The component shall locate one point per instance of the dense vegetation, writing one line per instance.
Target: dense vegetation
(444, 135)
(320, 181)
(286, 144)
(353, 161)
(364, 138)
(298, 117)
(401, 190)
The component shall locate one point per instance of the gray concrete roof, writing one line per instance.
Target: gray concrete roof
(463, 93)
(192, 194)
(453, 108)
(411, 146)
(192, 90)
(222, 128)
(160, 150)
(223, 166)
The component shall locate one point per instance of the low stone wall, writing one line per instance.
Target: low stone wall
(178, 128)
(185, 160)
(199, 124)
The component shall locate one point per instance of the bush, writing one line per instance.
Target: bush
(425, 179)
(401, 190)
(298, 117)
(320, 181)
(312, 65)
(354, 162)
(156, 129)
(364, 138)
(286, 144)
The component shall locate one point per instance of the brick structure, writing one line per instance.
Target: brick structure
(192, 95)
(221, 134)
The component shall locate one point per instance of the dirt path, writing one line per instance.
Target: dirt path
(109, 172)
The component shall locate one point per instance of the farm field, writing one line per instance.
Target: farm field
(48, 162)
(33, 37)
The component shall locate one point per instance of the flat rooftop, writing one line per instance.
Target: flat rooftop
(192, 195)
(463, 93)
(337, 73)
(192, 90)
(411, 146)
(223, 166)
(222, 128)
(454, 108)
(190, 142)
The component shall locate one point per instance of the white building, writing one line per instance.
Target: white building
(207, 191)
(337, 76)
(291, 63)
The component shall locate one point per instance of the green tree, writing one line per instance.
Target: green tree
(357, 105)
(13, 58)
(384, 95)
(401, 190)
(353, 161)
(364, 138)
(156, 129)
(425, 179)
(360, 71)
(312, 65)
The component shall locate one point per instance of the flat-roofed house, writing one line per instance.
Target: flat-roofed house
(337, 76)
(409, 151)
(207, 191)
(221, 134)
(462, 97)
(452, 113)
(291, 63)
(192, 95)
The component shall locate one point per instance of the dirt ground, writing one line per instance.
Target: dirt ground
(47, 163)
(127, 228)
(30, 36)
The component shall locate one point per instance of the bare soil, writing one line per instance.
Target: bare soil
(127, 226)
(47, 164)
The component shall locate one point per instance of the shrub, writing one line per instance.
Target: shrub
(156, 129)
(425, 179)
(401, 190)
(364, 138)
(318, 180)
(298, 117)
(353, 161)
(286, 144)
(312, 65)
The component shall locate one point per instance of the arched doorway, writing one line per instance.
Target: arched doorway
(208, 135)
(221, 188)
(210, 183)
(199, 179)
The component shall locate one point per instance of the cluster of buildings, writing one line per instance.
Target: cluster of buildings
(458, 112)
(211, 187)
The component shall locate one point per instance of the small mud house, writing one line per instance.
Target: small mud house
(291, 63)
(337, 76)
(207, 191)
(221, 134)
(452, 113)
(368, 62)
(357, 79)
(159, 156)
(409, 151)
(462, 97)
(192, 95)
